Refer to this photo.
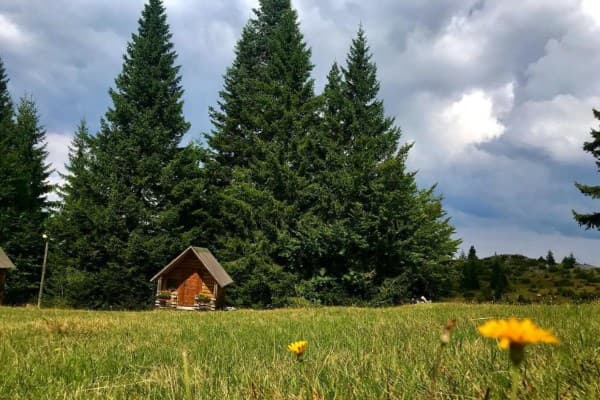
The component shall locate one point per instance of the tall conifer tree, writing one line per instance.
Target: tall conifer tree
(27, 207)
(391, 226)
(136, 171)
(265, 110)
(9, 165)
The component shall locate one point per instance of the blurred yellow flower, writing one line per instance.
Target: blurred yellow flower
(298, 348)
(514, 332)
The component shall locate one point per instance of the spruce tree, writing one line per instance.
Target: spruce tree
(392, 227)
(265, 110)
(133, 191)
(9, 162)
(6, 106)
(470, 275)
(28, 207)
(550, 259)
(498, 278)
(569, 261)
(592, 219)
(72, 225)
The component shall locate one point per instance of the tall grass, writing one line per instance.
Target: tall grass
(353, 353)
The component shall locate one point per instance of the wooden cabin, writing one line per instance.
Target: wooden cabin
(195, 272)
(5, 265)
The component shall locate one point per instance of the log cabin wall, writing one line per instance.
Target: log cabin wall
(191, 278)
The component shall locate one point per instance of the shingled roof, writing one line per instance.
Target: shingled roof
(5, 262)
(207, 259)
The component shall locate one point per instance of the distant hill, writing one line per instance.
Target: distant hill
(534, 281)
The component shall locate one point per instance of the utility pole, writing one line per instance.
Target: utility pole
(45, 237)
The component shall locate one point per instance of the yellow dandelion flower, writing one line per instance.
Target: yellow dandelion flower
(514, 334)
(517, 332)
(298, 348)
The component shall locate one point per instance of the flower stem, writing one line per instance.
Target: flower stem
(516, 381)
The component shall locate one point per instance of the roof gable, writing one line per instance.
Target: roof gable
(5, 262)
(206, 259)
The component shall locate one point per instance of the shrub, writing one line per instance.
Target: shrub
(202, 298)
(163, 295)
(392, 291)
(321, 290)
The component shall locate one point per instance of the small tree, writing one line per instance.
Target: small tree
(569, 261)
(550, 259)
(498, 279)
(470, 278)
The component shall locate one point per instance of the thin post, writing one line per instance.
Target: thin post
(43, 271)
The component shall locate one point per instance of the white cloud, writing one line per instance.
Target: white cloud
(460, 44)
(58, 155)
(10, 34)
(471, 120)
(558, 126)
(454, 126)
(591, 8)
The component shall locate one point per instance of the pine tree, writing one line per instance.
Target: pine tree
(133, 186)
(498, 278)
(266, 110)
(27, 215)
(550, 259)
(591, 220)
(569, 261)
(470, 275)
(9, 162)
(6, 106)
(71, 226)
(392, 226)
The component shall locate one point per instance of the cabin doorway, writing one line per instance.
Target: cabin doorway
(188, 289)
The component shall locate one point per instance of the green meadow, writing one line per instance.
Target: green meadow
(353, 353)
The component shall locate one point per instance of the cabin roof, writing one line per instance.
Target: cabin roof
(5, 262)
(207, 259)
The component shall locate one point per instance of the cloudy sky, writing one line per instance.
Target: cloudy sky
(496, 95)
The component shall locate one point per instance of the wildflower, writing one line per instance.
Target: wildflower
(514, 334)
(444, 340)
(445, 336)
(298, 348)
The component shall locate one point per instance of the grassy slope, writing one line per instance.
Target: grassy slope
(353, 353)
(534, 282)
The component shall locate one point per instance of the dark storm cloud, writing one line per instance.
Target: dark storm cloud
(496, 95)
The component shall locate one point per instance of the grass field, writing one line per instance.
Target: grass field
(353, 353)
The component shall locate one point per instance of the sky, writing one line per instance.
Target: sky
(496, 95)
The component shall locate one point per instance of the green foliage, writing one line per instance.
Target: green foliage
(550, 259)
(266, 108)
(569, 261)
(498, 279)
(505, 277)
(470, 271)
(392, 291)
(164, 295)
(321, 290)
(591, 220)
(202, 298)
(23, 194)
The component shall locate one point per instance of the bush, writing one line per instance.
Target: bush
(523, 300)
(359, 284)
(321, 290)
(392, 291)
(202, 298)
(164, 295)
